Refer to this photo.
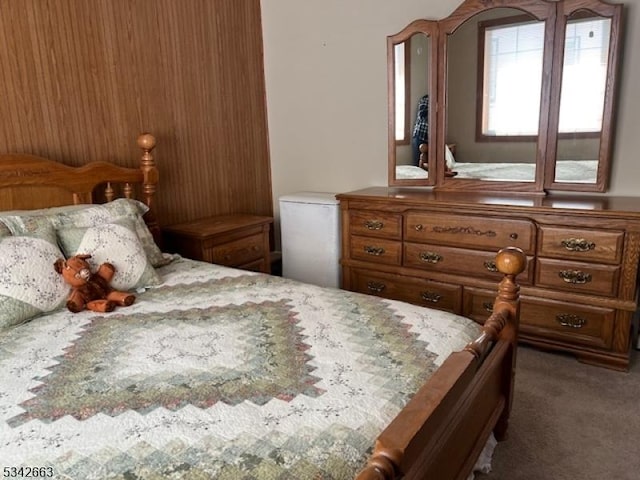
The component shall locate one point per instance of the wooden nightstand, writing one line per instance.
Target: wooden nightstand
(238, 240)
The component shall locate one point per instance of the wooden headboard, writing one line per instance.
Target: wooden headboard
(29, 181)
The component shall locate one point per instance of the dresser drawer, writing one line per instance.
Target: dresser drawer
(486, 233)
(378, 250)
(237, 252)
(476, 263)
(477, 303)
(581, 244)
(578, 277)
(573, 324)
(375, 224)
(426, 293)
(580, 325)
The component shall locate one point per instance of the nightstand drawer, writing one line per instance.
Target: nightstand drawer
(470, 231)
(255, 266)
(578, 277)
(375, 224)
(237, 252)
(417, 291)
(376, 250)
(581, 244)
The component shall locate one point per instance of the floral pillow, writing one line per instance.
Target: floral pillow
(28, 226)
(90, 215)
(116, 243)
(4, 230)
(29, 285)
(42, 212)
(111, 212)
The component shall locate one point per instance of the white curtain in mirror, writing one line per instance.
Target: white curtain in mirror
(512, 70)
(584, 75)
(400, 91)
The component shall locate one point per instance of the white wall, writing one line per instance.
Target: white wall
(325, 67)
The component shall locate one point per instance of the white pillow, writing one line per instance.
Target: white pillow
(88, 215)
(29, 285)
(116, 243)
(120, 209)
(449, 160)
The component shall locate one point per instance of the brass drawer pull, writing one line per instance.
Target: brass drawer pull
(376, 287)
(491, 266)
(430, 257)
(570, 320)
(431, 297)
(488, 306)
(373, 225)
(377, 251)
(577, 244)
(575, 277)
(419, 227)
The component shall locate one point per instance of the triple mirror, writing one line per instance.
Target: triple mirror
(497, 98)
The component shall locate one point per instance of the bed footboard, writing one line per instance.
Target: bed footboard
(442, 430)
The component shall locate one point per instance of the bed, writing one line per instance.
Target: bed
(215, 372)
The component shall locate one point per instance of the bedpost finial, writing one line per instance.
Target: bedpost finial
(146, 141)
(511, 261)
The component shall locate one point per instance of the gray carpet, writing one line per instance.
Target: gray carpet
(570, 421)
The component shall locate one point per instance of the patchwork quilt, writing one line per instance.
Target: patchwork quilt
(216, 373)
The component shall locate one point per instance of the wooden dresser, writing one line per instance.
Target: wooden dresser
(579, 291)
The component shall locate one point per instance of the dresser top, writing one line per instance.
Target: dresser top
(554, 202)
(210, 226)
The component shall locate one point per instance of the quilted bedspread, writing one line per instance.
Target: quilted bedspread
(216, 373)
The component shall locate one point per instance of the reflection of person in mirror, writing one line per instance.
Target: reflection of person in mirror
(420, 128)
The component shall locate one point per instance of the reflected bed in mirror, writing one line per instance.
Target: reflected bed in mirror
(419, 168)
(574, 171)
(410, 172)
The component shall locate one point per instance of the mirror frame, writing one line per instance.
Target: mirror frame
(430, 29)
(555, 14)
(542, 11)
(613, 12)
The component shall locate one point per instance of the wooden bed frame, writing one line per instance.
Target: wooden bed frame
(440, 432)
(29, 182)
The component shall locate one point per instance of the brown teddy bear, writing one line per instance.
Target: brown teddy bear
(91, 290)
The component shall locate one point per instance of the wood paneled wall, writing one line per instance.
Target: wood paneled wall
(80, 79)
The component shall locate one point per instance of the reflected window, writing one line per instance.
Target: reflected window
(510, 56)
(402, 76)
(585, 58)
